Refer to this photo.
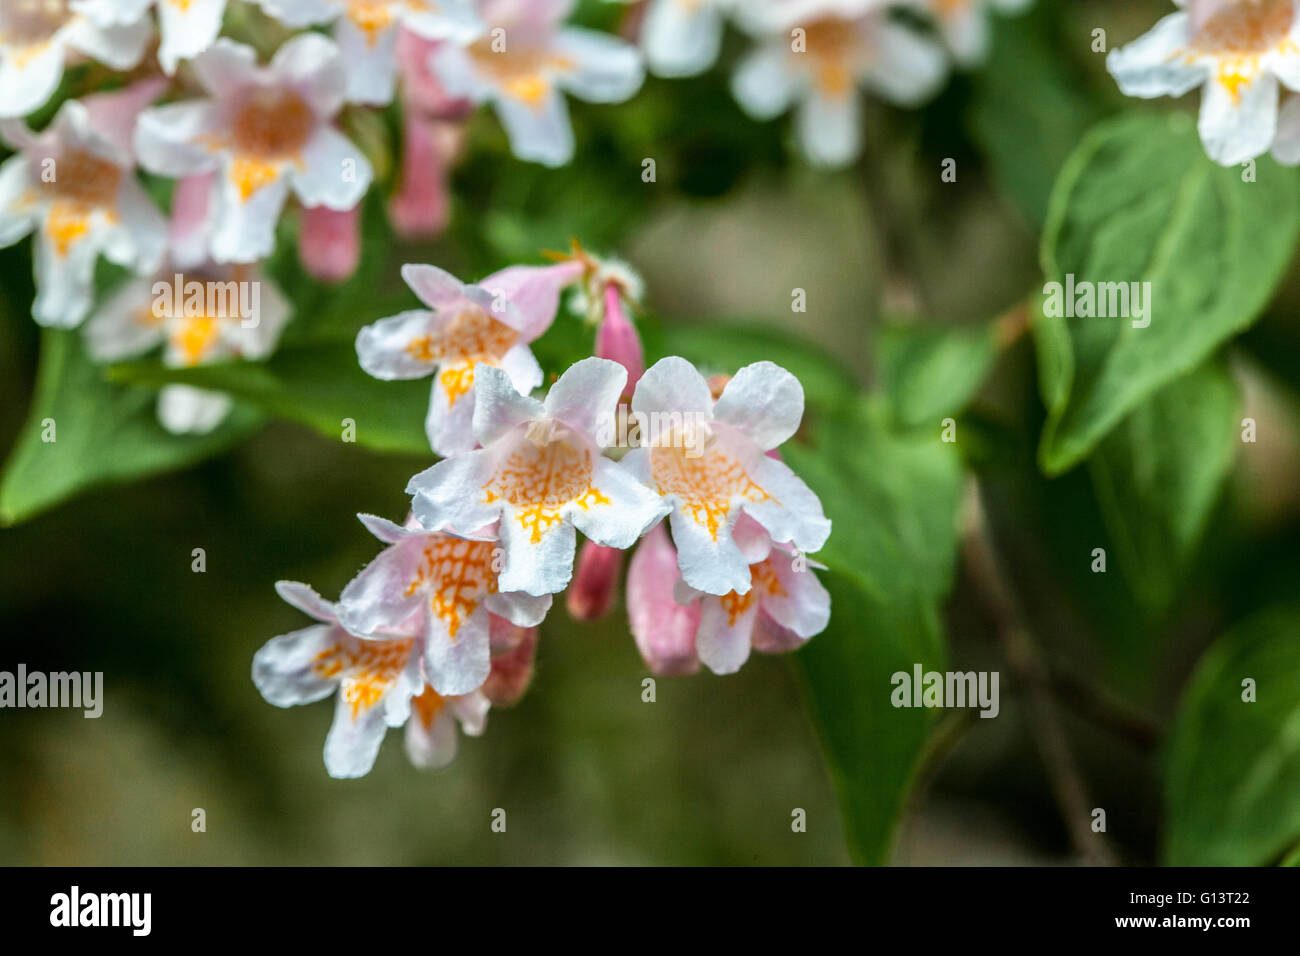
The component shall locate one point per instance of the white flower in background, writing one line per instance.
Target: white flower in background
(367, 31)
(814, 55)
(682, 37)
(375, 679)
(524, 64)
(188, 27)
(36, 38)
(265, 130)
(74, 185)
(541, 474)
(1236, 51)
(709, 487)
(966, 24)
(444, 588)
(200, 317)
(464, 328)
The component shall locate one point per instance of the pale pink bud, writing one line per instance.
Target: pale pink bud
(617, 339)
(420, 207)
(329, 242)
(664, 630)
(591, 594)
(512, 670)
(191, 201)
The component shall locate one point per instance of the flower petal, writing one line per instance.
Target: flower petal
(586, 396)
(764, 402)
(499, 406)
(682, 39)
(431, 739)
(125, 325)
(534, 291)
(538, 561)
(799, 602)
(244, 224)
(726, 628)
(449, 495)
(371, 57)
(187, 29)
(520, 609)
(830, 130)
(539, 130)
(763, 84)
(304, 598)
(1154, 64)
(621, 508)
(673, 385)
(384, 596)
(311, 64)
(17, 216)
(664, 630)
(1238, 123)
(600, 68)
(286, 669)
(790, 511)
(459, 664)
(167, 138)
(388, 349)
(333, 172)
(185, 410)
(29, 76)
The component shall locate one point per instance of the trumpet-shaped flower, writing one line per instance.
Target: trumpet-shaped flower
(264, 131)
(524, 64)
(1236, 52)
(465, 329)
(540, 475)
(815, 54)
(375, 680)
(707, 460)
(441, 587)
(367, 31)
(36, 38)
(74, 185)
(200, 316)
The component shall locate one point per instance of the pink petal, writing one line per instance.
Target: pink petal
(595, 582)
(513, 670)
(664, 630)
(329, 242)
(617, 339)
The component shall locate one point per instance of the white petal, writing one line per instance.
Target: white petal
(1154, 64)
(371, 59)
(723, 640)
(166, 138)
(907, 68)
(185, 410)
(389, 349)
(353, 741)
(449, 423)
(521, 365)
(763, 84)
(472, 712)
(520, 609)
(256, 335)
(446, 20)
(187, 29)
(682, 37)
(305, 598)
(630, 511)
(436, 287)
(461, 664)
(244, 225)
(673, 385)
(17, 216)
(764, 402)
(285, 668)
(586, 396)
(301, 13)
(125, 325)
(1286, 141)
(791, 512)
(800, 603)
(381, 597)
(1235, 128)
(120, 46)
(29, 76)
(830, 130)
(499, 405)
(709, 563)
(449, 496)
(142, 233)
(431, 746)
(334, 173)
(537, 567)
(65, 274)
(539, 130)
(311, 64)
(599, 68)
(226, 67)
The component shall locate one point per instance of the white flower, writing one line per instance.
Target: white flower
(188, 27)
(710, 479)
(36, 37)
(265, 131)
(74, 185)
(1236, 52)
(541, 474)
(965, 25)
(443, 587)
(465, 327)
(682, 37)
(199, 318)
(367, 30)
(524, 64)
(815, 54)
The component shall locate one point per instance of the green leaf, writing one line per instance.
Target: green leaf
(1233, 767)
(930, 372)
(319, 385)
(1140, 202)
(103, 433)
(1159, 474)
(872, 749)
(893, 504)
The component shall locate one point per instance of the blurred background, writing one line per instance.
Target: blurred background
(587, 772)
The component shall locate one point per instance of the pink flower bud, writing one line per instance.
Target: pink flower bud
(512, 670)
(421, 89)
(421, 205)
(329, 242)
(664, 630)
(190, 222)
(591, 594)
(617, 339)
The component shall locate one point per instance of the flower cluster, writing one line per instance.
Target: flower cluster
(443, 621)
(240, 137)
(1239, 53)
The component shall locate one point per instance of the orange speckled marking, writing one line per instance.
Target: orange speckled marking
(469, 337)
(833, 48)
(524, 74)
(457, 574)
(540, 479)
(764, 583)
(457, 380)
(372, 17)
(708, 486)
(66, 225)
(427, 706)
(194, 337)
(368, 669)
(1238, 36)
